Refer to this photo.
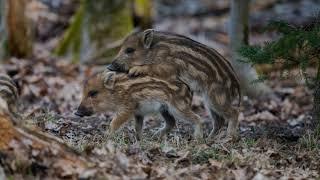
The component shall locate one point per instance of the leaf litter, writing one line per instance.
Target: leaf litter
(270, 145)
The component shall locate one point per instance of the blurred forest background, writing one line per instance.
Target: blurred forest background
(49, 47)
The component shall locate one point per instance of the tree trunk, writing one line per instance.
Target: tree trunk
(239, 35)
(142, 14)
(3, 33)
(316, 102)
(97, 30)
(18, 28)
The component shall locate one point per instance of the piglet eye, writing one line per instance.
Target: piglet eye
(93, 93)
(129, 50)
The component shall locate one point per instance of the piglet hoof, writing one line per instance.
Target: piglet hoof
(233, 135)
(228, 139)
(234, 138)
(213, 134)
(138, 136)
(216, 136)
(198, 134)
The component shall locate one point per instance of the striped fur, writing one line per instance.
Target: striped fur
(166, 56)
(137, 97)
(9, 94)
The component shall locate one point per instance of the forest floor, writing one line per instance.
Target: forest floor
(274, 143)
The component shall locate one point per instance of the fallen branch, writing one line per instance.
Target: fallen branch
(23, 150)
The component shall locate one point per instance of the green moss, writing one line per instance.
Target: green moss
(249, 142)
(104, 22)
(311, 140)
(200, 156)
(4, 49)
(72, 36)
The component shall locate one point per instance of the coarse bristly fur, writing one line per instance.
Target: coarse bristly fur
(9, 95)
(137, 97)
(166, 55)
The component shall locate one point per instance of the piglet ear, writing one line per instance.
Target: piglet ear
(109, 79)
(147, 38)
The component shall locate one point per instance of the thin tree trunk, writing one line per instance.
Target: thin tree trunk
(142, 13)
(239, 35)
(317, 104)
(18, 29)
(2, 29)
(316, 101)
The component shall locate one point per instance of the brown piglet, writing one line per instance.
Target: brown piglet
(134, 98)
(166, 55)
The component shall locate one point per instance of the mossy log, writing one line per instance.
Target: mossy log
(95, 28)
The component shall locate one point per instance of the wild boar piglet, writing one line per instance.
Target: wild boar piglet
(136, 97)
(166, 55)
(9, 97)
